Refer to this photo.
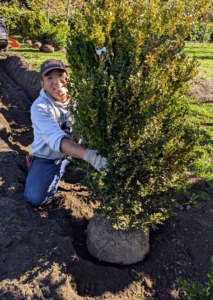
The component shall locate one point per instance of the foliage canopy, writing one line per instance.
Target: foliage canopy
(129, 76)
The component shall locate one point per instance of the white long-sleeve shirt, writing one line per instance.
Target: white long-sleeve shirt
(51, 122)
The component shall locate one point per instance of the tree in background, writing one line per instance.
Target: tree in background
(129, 77)
(15, 3)
(54, 8)
(36, 27)
(12, 17)
(55, 12)
(202, 31)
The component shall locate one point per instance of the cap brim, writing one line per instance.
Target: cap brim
(54, 68)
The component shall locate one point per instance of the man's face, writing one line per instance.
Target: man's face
(54, 83)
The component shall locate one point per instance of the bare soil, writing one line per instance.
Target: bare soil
(43, 253)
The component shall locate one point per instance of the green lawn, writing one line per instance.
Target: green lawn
(35, 57)
(203, 112)
(204, 54)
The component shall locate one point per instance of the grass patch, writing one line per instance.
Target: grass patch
(203, 112)
(34, 57)
(204, 54)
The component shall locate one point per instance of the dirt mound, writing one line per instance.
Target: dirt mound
(43, 252)
(202, 89)
(23, 75)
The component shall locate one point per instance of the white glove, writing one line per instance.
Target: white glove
(97, 161)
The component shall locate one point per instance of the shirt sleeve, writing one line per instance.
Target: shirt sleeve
(46, 127)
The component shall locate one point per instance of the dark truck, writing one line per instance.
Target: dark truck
(3, 34)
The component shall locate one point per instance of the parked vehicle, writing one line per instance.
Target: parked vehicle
(3, 34)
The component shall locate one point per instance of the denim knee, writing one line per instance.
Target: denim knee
(39, 179)
(35, 198)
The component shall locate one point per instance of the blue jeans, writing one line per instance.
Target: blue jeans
(43, 179)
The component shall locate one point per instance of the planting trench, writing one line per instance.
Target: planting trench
(43, 253)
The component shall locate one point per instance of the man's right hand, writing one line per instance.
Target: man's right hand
(97, 161)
